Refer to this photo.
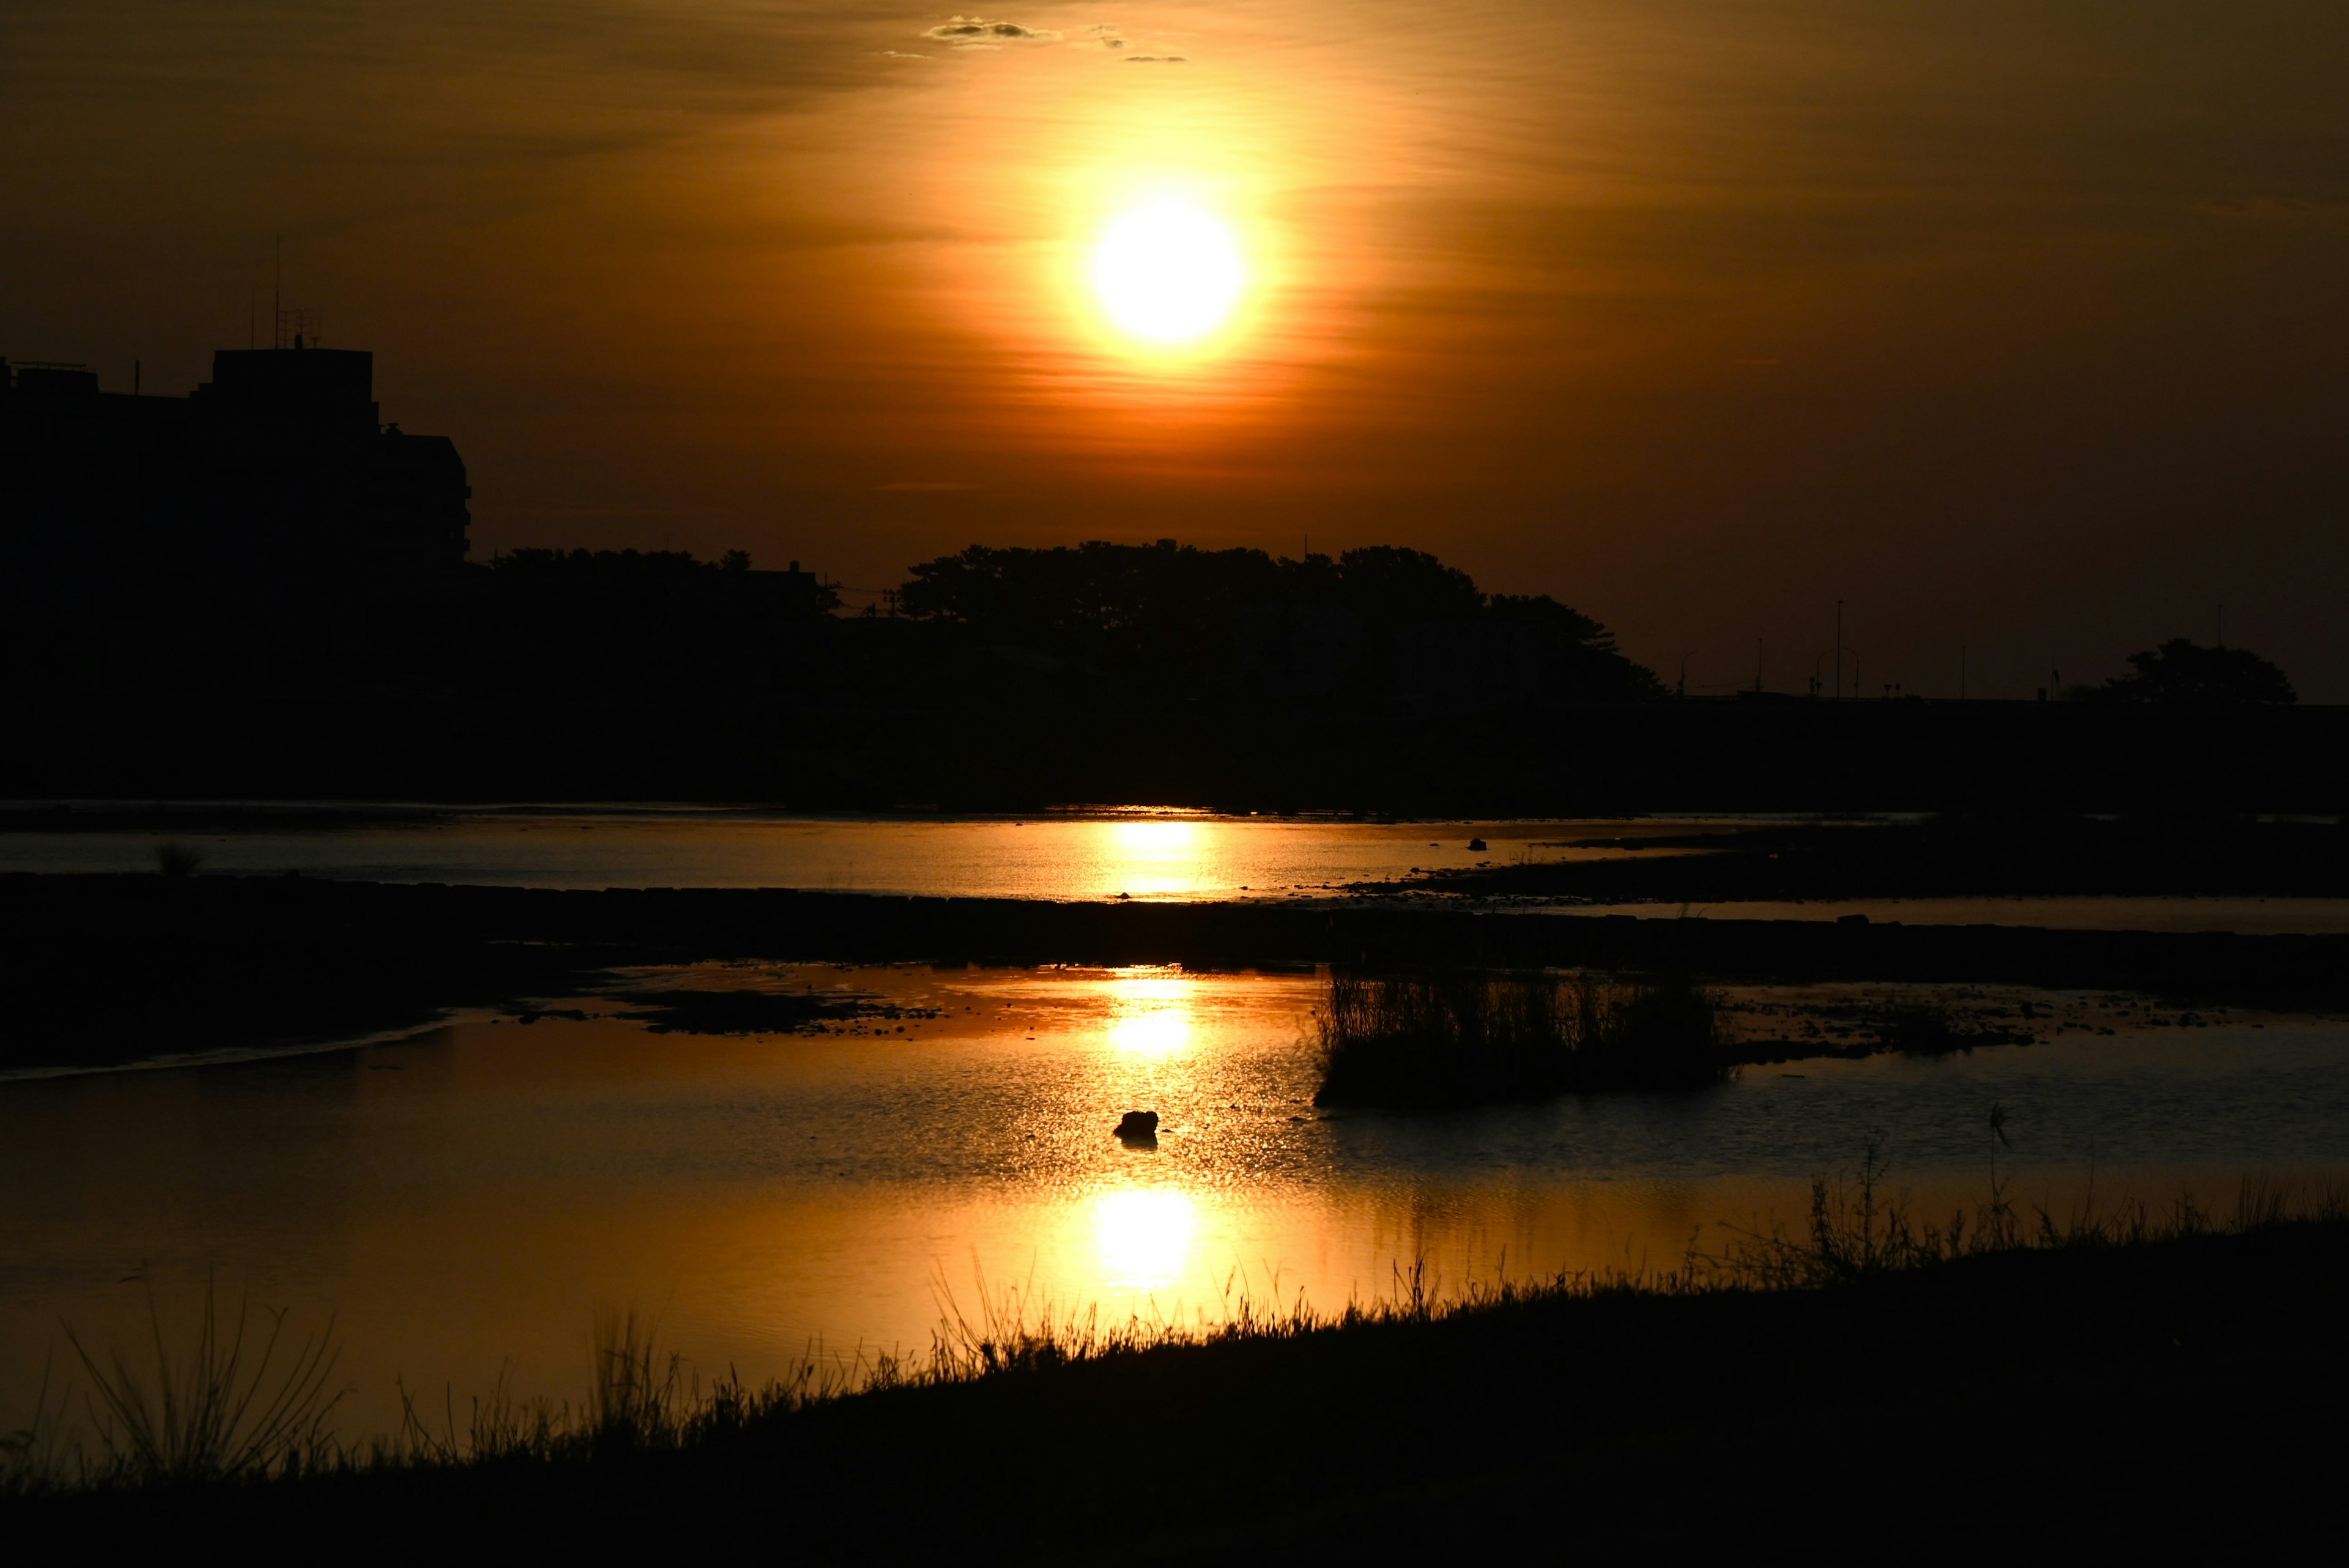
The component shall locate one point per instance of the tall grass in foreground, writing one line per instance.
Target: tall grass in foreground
(1466, 1036)
(1856, 1229)
(642, 1401)
(234, 1402)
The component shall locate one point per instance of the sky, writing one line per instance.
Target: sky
(2016, 326)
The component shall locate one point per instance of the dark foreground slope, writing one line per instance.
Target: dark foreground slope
(2173, 1396)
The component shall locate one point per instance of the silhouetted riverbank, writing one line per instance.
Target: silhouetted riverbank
(1998, 855)
(2095, 1396)
(841, 747)
(110, 969)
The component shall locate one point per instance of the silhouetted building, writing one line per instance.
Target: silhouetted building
(136, 531)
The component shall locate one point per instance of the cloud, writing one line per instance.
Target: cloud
(978, 33)
(1103, 36)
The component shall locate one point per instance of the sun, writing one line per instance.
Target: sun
(1168, 274)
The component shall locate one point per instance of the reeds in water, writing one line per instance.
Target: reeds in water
(1467, 1036)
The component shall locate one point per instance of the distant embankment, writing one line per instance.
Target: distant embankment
(835, 749)
(102, 969)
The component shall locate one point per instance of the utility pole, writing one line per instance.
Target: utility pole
(1757, 665)
(1961, 672)
(2222, 624)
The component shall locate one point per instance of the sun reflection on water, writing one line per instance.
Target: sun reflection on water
(1143, 1236)
(1142, 858)
(1151, 1013)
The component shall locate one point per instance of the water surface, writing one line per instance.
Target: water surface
(1165, 855)
(1064, 854)
(465, 1201)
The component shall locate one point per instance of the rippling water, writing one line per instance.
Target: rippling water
(1138, 854)
(1142, 854)
(465, 1201)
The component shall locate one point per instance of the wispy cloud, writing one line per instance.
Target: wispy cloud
(979, 33)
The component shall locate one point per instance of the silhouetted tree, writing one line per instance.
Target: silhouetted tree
(1585, 662)
(2183, 673)
(1565, 620)
(1116, 604)
(1166, 611)
(657, 618)
(1387, 585)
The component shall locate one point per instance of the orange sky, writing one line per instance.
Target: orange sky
(2015, 325)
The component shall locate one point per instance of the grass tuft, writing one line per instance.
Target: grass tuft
(228, 1406)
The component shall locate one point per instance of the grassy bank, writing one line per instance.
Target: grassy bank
(2005, 1382)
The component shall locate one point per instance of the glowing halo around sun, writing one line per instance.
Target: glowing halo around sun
(1168, 275)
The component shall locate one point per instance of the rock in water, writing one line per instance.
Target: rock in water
(1475, 846)
(1138, 1126)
